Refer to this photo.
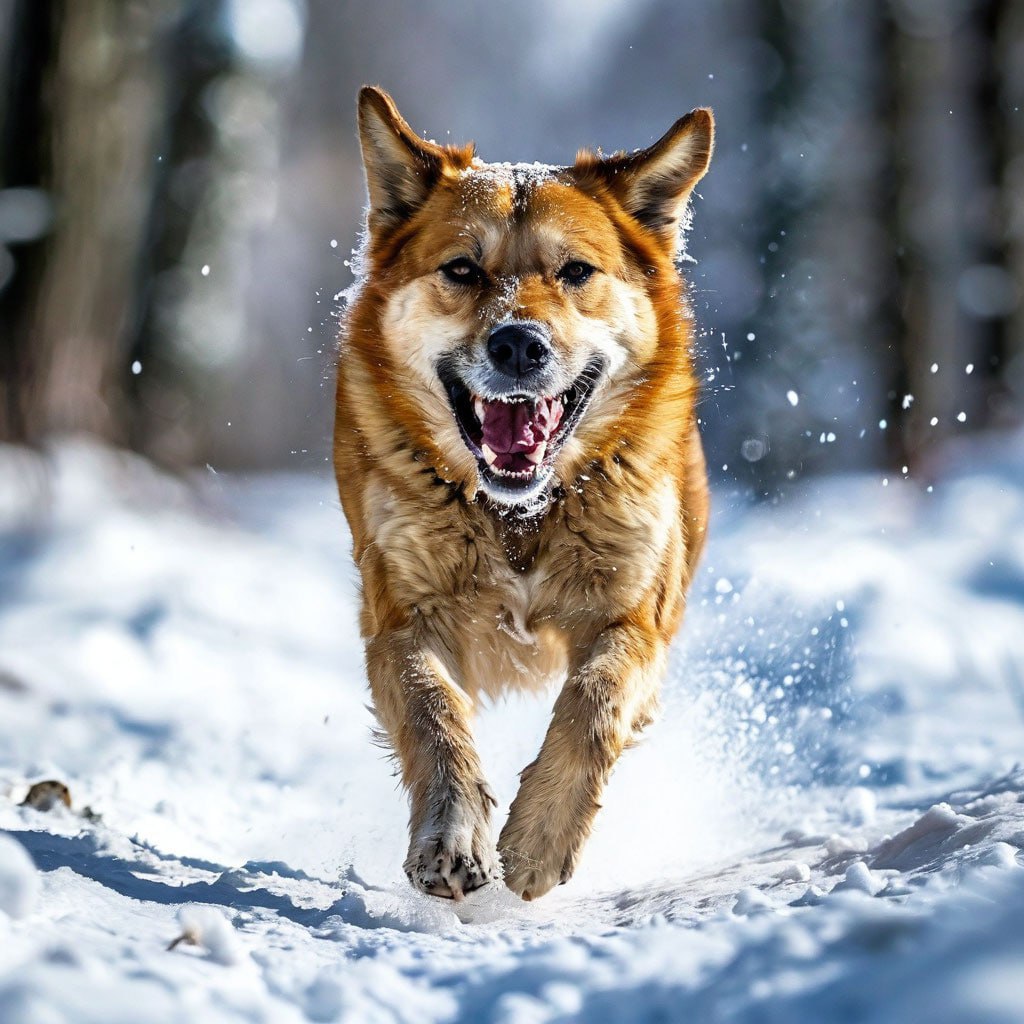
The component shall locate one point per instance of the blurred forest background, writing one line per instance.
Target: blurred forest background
(180, 189)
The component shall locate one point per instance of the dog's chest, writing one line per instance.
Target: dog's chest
(506, 603)
(573, 577)
(506, 637)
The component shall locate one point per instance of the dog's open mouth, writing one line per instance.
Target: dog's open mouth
(516, 437)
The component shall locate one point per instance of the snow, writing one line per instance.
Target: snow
(358, 265)
(826, 824)
(19, 880)
(209, 928)
(509, 174)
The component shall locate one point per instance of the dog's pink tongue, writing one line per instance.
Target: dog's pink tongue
(511, 427)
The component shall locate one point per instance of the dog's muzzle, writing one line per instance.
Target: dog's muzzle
(515, 436)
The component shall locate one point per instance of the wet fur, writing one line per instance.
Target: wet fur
(464, 596)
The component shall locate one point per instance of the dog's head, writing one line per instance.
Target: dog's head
(516, 305)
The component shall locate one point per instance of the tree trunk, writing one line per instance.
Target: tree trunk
(944, 165)
(71, 367)
(1006, 396)
(24, 164)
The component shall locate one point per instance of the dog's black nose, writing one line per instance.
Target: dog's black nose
(518, 349)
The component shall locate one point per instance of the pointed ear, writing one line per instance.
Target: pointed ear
(401, 168)
(654, 184)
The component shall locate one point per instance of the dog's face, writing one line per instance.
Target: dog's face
(516, 301)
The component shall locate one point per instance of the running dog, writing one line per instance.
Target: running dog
(518, 458)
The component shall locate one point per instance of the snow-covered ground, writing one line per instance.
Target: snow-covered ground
(825, 826)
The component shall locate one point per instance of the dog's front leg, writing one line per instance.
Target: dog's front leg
(609, 697)
(426, 717)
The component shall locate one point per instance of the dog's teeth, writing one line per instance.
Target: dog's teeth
(478, 408)
(489, 457)
(538, 453)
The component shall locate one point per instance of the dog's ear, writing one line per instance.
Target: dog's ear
(654, 184)
(401, 168)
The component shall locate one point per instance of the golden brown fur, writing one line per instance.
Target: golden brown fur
(464, 595)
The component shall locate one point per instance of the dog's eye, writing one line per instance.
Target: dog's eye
(575, 272)
(463, 271)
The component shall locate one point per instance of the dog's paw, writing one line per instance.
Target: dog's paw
(457, 856)
(535, 862)
(450, 870)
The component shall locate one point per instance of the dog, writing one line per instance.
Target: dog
(517, 454)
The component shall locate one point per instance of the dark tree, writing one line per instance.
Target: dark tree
(96, 87)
